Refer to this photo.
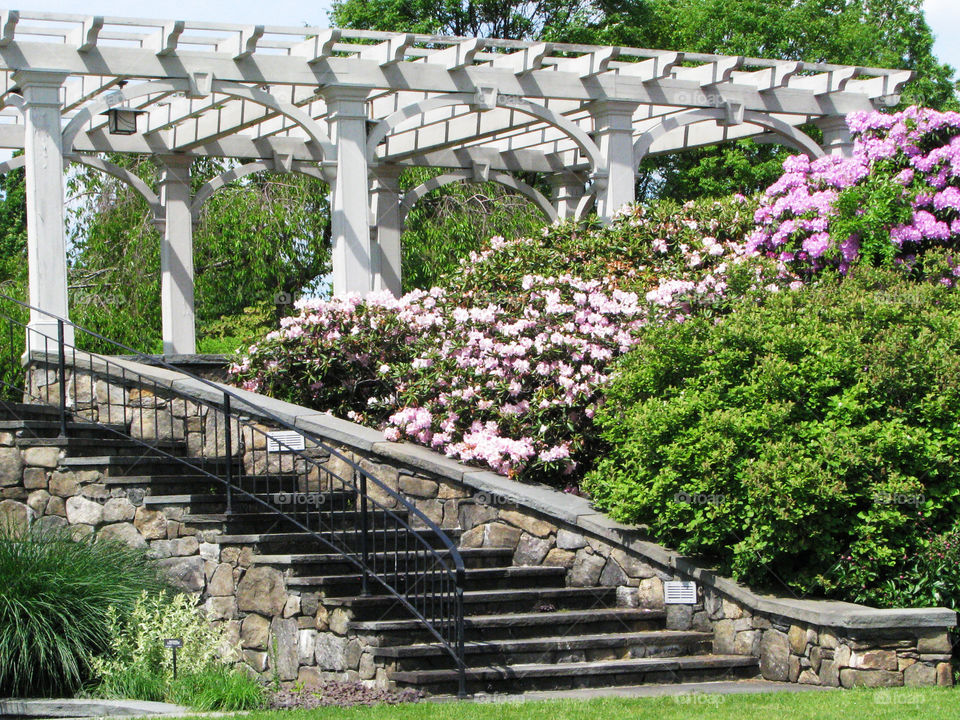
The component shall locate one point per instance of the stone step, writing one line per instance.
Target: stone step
(558, 676)
(300, 543)
(115, 446)
(28, 411)
(483, 602)
(553, 649)
(521, 625)
(310, 566)
(244, 503)
(51, 428)
(477, 578)
(264, 521)
(147, 464)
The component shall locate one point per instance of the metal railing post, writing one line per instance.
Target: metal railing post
(364, 549)
(62, 368)
(228, 446)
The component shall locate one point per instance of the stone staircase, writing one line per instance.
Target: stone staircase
(525, 628)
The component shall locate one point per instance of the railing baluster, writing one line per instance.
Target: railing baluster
(62, 371)
(228, 448)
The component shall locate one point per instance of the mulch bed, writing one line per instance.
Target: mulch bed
(342, 694)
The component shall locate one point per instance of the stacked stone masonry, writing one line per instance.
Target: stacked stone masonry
(291, 635)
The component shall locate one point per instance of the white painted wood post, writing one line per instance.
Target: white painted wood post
(614, 128)
(349, 208)
(176, 258)
(386, 228)
(568, 189)
(46, 242)
(837, 139)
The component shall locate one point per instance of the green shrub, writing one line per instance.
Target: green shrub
(58, 598)
(137, 665)
(809, 439)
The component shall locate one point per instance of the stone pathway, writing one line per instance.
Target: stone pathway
(702, 691)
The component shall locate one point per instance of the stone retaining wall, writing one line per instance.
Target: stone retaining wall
(293, 636)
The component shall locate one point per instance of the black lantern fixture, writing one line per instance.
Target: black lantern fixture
(122, 120)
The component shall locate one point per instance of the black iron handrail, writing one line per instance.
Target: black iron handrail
(230, 446)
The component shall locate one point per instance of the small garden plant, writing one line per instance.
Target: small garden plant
(136, 663)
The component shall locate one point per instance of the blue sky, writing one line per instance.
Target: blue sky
(942, 15)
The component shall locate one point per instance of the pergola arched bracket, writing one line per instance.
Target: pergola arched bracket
(317, 134)
(105, 166)
(506, 179)
(241, 171)
(493, 99)
(729, 115)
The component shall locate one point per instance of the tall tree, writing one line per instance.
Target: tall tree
(487, 18)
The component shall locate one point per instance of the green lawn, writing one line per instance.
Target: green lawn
(897, 703)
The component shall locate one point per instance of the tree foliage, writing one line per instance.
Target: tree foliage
(259, 240)
(450, 223)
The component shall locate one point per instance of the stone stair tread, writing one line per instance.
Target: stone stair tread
(7, 425)
(481, 596)
(294, 559)
(533, 573)
(600, 667)
(515, 619)
(256, 538)
(129, 459)
(147, 479)
(175, 499)
(100, 442)
(559, 642)
(18, 409)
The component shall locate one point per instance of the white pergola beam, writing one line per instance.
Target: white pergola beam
(8, 26)
(318, 47)
(420, 76)
(456, 56)
(522, 61)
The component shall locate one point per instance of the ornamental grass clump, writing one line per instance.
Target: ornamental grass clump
(59, 597)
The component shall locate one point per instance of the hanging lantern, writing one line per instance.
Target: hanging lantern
(122, 120)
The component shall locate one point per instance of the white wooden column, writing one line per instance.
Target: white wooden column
(386, 228)
(46, 243)
(837, 139)
(353, 270)
(613, 121)
(568, 190)
(176, 258)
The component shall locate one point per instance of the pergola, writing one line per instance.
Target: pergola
(355, 108)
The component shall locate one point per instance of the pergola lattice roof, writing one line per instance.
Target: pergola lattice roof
(198, 60)
(354, 107)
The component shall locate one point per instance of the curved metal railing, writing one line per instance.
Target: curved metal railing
(219, 434)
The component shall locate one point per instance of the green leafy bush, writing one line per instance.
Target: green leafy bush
(136, 664)
(58, 599)
(807, 438)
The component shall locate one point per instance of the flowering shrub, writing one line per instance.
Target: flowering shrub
(898, 195)
(506, 366)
